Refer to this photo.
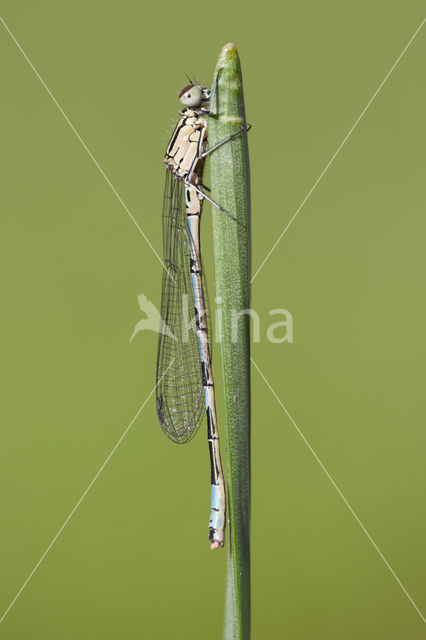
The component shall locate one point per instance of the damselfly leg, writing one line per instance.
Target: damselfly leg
(212, 105)
(206, 197)
(219, 144)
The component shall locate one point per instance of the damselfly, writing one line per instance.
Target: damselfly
(185, 382)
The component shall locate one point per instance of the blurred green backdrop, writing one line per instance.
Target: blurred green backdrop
(133, 561)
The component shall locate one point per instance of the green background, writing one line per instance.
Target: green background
(133, 561)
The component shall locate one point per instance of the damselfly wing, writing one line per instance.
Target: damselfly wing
(180, 391)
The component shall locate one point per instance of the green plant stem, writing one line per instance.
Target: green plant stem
(230, 184)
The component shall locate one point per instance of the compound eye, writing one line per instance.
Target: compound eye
(191, 97)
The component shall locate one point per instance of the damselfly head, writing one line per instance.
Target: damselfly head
(193, 95)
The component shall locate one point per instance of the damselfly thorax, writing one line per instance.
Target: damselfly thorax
(183, 154)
